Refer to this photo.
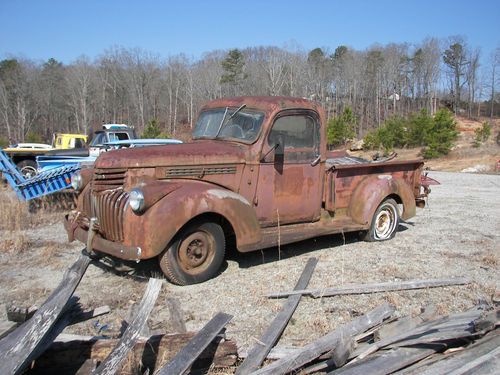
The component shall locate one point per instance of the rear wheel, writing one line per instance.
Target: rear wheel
(385, 222)
(195, 255)
(27, 168)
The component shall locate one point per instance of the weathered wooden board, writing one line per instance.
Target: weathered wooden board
(478, 358)
(19, 348)
(67, 354)
(448, 327)
(6, 327)
(187, 355)
(114, 361)
(176, 316)
(373, 288)
(328, 342)
(387, 362)
(258, 353)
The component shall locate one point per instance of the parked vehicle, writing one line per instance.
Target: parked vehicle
(112, 136)
(28, 188)
(257, 174)
(24, 154)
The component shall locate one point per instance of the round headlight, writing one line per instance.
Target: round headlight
(136, 200)
(77, 181)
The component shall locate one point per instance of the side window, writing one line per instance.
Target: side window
(99, 139)
(122, 136)
(79, 143)
(298, 132)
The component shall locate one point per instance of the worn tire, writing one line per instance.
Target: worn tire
(195, 255)
(27, 168)
(385, 222)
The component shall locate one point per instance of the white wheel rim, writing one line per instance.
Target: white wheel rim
(385, 222)
(28, 171)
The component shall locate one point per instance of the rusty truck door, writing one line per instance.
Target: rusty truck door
(289, 184)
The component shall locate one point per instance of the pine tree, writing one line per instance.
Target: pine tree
(233, 66)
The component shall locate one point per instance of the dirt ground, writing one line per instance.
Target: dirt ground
(456, 235)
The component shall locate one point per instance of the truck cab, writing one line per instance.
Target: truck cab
(109, 133)
(257, 171)
(64, 141)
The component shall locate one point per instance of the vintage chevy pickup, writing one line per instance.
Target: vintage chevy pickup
(257, 174)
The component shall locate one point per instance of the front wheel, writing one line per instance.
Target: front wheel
(385, 222)
(195, 255)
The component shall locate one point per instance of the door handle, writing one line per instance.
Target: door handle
(316, 161)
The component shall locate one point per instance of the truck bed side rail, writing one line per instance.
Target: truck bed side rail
(45, 183)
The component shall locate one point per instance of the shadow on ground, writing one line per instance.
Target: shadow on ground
(145, 269)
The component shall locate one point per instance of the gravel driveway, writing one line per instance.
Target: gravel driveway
(457, 234)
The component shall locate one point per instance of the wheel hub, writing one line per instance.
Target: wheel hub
(384, 224)
(195, 250)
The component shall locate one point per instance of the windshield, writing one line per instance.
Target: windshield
(243, 125)
(100, 138)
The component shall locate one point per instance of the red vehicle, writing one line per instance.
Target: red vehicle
(255, 165)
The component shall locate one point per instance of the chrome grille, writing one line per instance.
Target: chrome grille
(106, 179)
(109, 208)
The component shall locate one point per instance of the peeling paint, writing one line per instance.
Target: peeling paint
(219, 193)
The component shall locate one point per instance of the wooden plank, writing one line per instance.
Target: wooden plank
(176, 316)
(373, 288)
(6, 327)
(277, 352)
(482, 349)
(328, 342)
(18, 349)
(406, 323)
(478, 362)
(387, 361)
(185, 358)
(259, 352)
(113, 362)
(338, 357)
(20, 314)
(68, 353)
(90, 314)
(460, 322)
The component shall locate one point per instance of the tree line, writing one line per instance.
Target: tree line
(136, 87)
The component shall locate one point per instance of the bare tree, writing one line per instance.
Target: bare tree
(79, 80)
(495, 62)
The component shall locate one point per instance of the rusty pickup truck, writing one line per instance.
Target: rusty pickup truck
(257, 174)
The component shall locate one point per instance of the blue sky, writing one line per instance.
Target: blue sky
(67, 29)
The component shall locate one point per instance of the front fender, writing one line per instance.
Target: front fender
(156, 227)
(373, 190)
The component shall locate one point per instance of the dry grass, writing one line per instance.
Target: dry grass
(14, 214)
(490, 259)
(17, 218)
(14, 219)
(16, 242)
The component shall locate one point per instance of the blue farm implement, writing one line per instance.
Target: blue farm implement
(45, 183)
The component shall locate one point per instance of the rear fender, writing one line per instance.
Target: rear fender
(160, 223)
(373, 190)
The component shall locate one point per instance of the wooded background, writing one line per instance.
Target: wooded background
(135, 86)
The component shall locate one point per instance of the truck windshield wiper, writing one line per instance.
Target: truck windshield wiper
(226, 120)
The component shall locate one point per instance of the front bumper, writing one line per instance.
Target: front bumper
(98, 243)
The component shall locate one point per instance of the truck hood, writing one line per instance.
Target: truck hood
(195, 153)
